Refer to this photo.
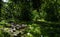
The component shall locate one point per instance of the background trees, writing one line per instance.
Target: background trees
(41, 16)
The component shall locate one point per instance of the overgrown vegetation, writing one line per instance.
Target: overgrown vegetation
(30, 18)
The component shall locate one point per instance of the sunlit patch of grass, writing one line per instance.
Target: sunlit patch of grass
(3, 22)
(34, 29)
(1, 26)
(29, 35)
(41, 20)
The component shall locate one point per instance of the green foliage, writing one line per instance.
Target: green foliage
(42, 17)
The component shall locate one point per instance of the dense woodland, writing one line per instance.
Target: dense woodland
(30, 18)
